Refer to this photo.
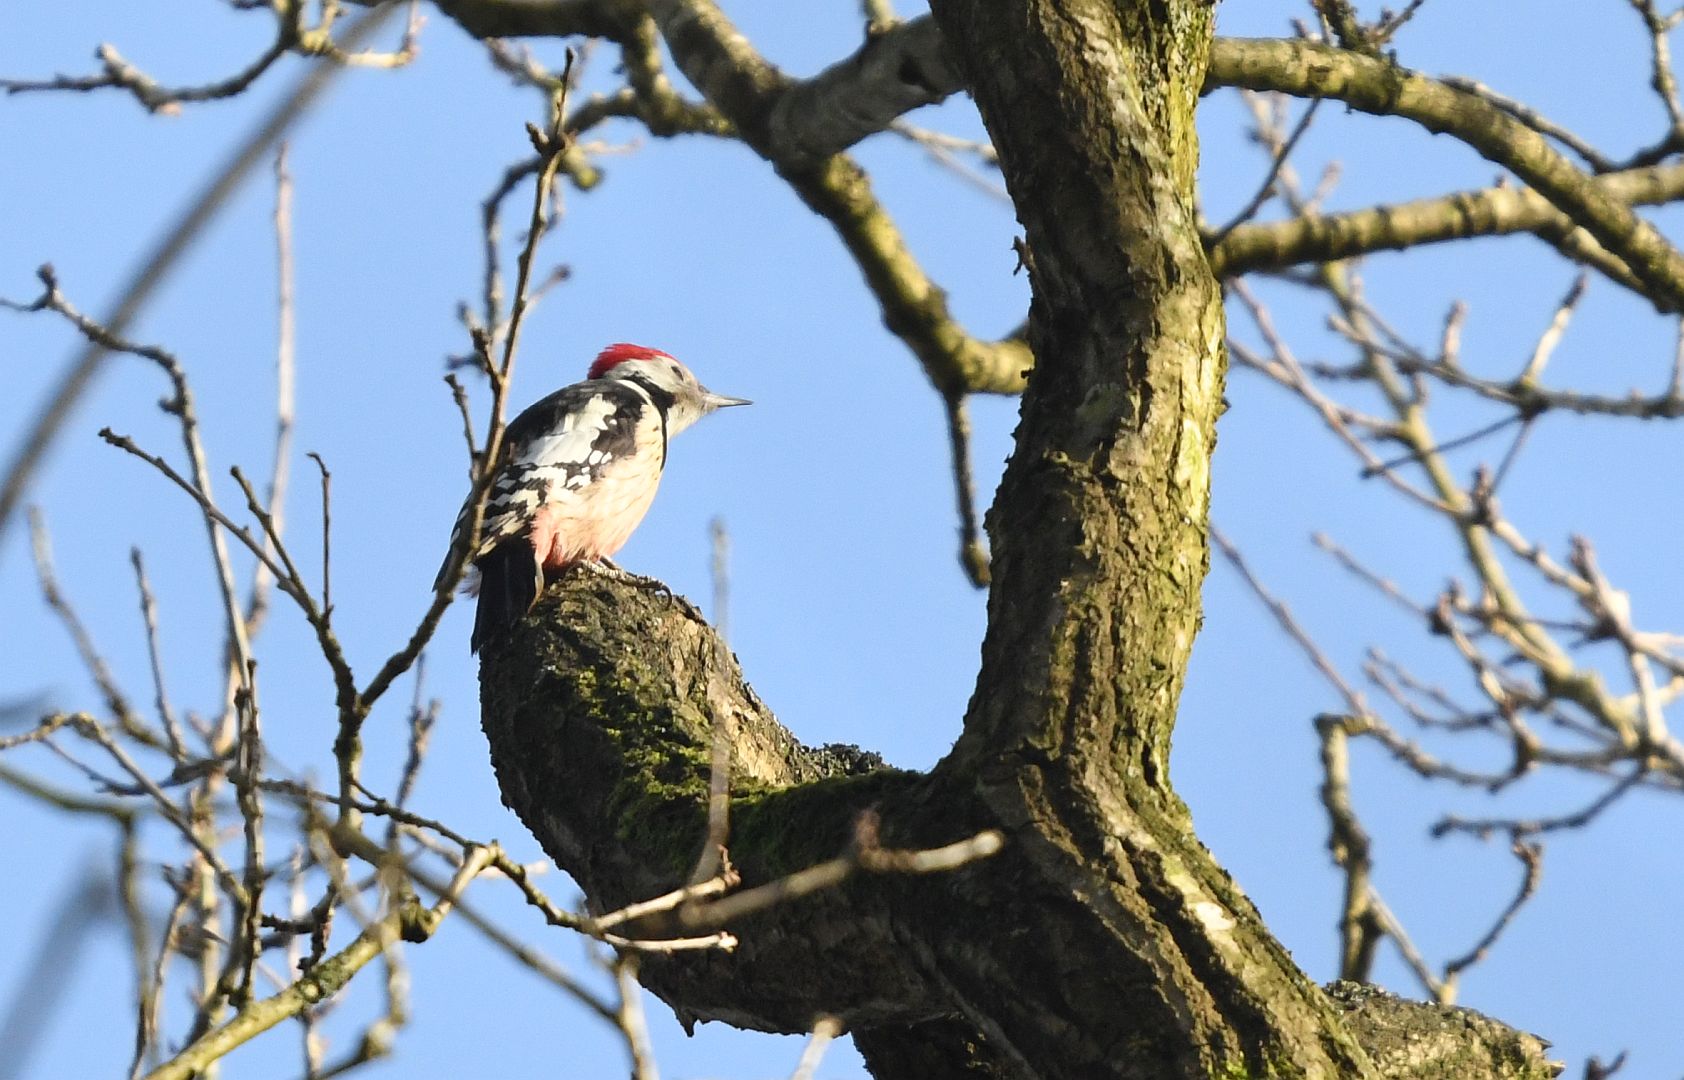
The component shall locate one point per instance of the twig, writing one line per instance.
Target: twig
(1348, 843)
(1551, 337)
(630, 1019)
(286, 580)
(320, 982)
(249, 759)
(1406, 948)
(973, 554)
(1660, 61)
(1523, 827)
(149, 616)
(87, 727)
(67, 801)
(118, 73)
(706, 890)
(1385, 586)
(180, 405)
(714, 859)
(459, 395)
(719, 567)
(1283, 616)
(491, 225)
(549, 146)
(40, 732)
(1531, 861)
(946, 150)
(1418, 455)
(421, 720)
(131, 901)
(1266, 190)
(327, 535)
(865, 855)
(98, 670)
(1511, 455)
(310, 1043)
(1534, 120)
(285, 365)
(826, 1029)
(151, 1004)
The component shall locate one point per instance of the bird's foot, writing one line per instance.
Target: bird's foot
(608, 569)
(605, 569)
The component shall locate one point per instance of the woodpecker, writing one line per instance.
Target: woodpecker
(577, 472)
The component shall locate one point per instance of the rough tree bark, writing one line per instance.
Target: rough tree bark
(1103, 940)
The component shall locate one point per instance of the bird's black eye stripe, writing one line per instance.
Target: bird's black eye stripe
(658, 395)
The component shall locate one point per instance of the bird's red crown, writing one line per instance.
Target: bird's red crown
(619, 353)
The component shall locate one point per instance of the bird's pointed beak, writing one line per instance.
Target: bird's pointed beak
(720, 401)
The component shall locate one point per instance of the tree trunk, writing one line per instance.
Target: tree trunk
(1103, 941)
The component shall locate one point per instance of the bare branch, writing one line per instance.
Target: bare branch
(1531, 861)
(824, 1031)
(321, 981)
(118, 73)
(98, 670)
(285, 364)
(973, 553)
(327, 535)
(630, 1019)
(149, 616)
(1266, 190)
(865, 855)
(550, 145)
(1373, 86)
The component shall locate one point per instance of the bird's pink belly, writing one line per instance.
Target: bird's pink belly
(594, 523)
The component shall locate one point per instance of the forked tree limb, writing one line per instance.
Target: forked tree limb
(1103, 940)
(600, 713)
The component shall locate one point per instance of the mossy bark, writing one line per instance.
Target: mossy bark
(600, 711)
(1103, 941)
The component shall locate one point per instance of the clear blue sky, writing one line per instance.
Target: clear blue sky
(849, 611)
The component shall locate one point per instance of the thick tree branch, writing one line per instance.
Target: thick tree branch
(1145, 960)
(945, 1049)
(914, 307)
(896, 71)
(1376, 86)
(529, 18)
(800, 128)
(1099, 554)
(1497, 211)
(1407, 1039)
(601, 711)
(752, 95)
(905, 66)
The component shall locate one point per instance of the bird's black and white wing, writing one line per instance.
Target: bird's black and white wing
(555, 448)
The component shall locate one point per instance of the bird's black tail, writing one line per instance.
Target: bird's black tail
(510, 578)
